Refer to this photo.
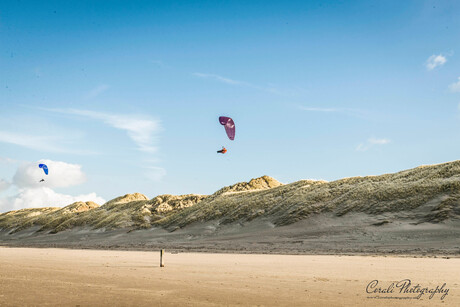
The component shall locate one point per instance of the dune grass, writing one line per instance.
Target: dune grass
(426, 193)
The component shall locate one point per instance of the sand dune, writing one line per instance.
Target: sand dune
(416, 211)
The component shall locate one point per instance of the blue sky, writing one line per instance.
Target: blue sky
(129, 92)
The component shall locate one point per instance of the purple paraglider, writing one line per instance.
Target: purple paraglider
(229, 125)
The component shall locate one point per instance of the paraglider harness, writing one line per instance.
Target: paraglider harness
(222, 151)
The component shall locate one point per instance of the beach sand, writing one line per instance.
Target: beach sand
(66, 277)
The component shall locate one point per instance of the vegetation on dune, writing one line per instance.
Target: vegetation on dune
(24, 218)
(261, 183)
(425, 194)
(131, 210)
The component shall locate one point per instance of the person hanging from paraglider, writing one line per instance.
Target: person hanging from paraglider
(45, 170)
(229, 126)
(222, 151)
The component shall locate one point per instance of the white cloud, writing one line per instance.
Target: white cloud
(455, 87)
(435, 61)
(43, 197)
(4, 185)
(97, 91)
(371, 142)
(32, 193)
(60, 174)
(142, 130)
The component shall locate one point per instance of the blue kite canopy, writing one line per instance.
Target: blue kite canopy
(45, 168)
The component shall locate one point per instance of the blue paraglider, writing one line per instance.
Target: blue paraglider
(44, 167)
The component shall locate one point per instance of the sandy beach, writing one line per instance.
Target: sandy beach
(65, 277)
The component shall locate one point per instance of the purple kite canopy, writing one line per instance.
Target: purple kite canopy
(229, 125)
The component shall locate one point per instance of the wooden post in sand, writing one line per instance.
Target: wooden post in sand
(162, 252)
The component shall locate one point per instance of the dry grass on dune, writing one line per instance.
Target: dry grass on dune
(24, 218)
(435, 190)
(130, 210)
(426, 194)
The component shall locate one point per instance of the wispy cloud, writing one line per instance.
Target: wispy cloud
(97, 91)
(43, 143)
(142, 130)
(372, 142)
(434, 61)
(8, 160)
(346, 111)
(270, 89)
(221, 79)
(455, 87)
(314, 109)
(36, 142)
